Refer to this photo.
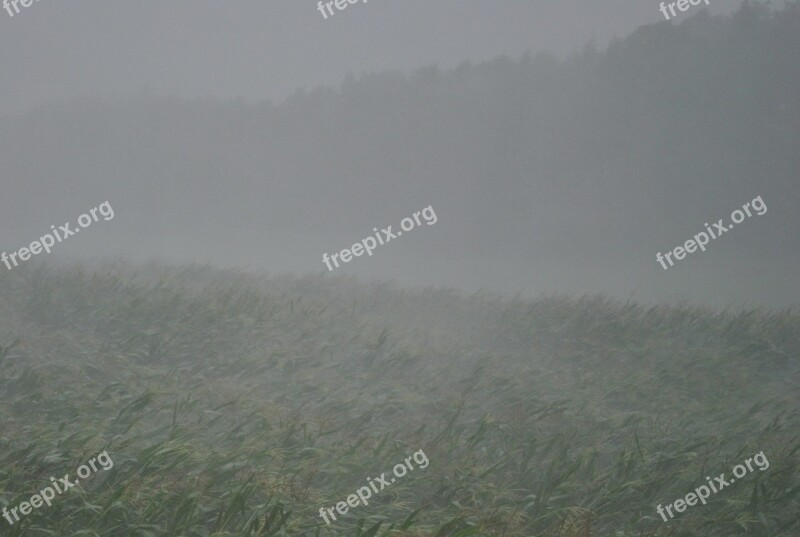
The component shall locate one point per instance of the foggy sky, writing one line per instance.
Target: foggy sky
(545, 176)
(266, 50)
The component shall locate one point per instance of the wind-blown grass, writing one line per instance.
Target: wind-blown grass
(238, 405)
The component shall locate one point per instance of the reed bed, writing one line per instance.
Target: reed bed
(238, 405)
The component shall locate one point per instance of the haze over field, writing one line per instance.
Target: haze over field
(547, 175)
(525, 335)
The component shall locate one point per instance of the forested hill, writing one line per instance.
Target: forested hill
(606, 157)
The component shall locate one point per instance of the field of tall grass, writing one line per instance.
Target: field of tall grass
(238, 405)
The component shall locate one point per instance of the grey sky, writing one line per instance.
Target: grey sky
(545, 176)
(257, 50)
